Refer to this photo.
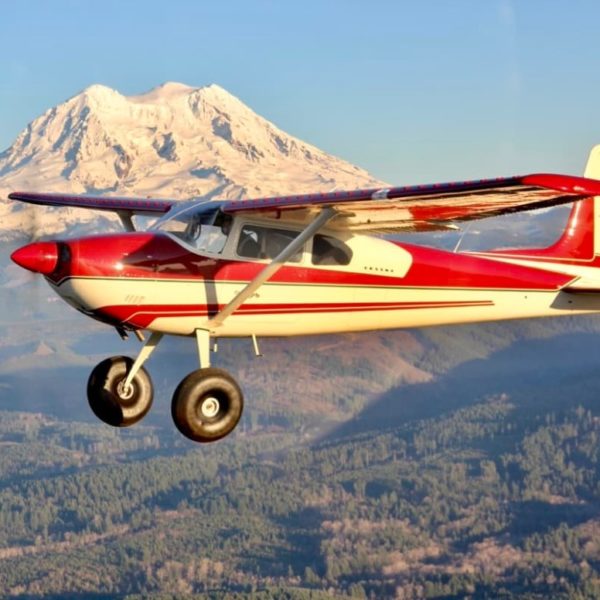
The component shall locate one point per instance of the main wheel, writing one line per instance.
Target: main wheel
(108, 398)
(207, 405)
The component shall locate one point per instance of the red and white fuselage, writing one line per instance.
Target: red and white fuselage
(155, 281)
(197, 268)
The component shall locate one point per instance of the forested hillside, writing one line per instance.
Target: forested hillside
(479, 480)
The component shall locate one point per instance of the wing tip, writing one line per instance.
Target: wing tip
(571, 184)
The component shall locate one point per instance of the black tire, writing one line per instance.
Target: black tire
(207, 405)
(106, 397)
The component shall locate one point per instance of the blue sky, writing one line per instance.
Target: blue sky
(412, 91)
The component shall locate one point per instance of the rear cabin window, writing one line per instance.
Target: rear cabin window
(330, 251)
(265, 242)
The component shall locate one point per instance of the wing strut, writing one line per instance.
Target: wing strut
(325, 215)
(126, 220)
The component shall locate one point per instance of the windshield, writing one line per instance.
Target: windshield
(202, 226)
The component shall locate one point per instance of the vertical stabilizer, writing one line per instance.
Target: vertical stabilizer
(581, 238)
(592, 169)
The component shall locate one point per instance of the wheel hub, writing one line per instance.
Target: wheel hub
(125, 393)
(209, 408)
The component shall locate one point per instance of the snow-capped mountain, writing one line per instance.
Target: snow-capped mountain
(172, 142)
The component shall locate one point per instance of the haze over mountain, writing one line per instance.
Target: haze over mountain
(174, 141)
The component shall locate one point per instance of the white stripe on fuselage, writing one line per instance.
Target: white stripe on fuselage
(456, 305)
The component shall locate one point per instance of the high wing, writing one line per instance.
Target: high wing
(424, 207)
(383, 210)
(136, 206)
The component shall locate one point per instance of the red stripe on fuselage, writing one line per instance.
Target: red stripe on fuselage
(442, 269)
(159, 257)
(143, 316)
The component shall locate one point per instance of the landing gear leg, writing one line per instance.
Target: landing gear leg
(203, 343)
(208, 403)
(119, 390)
(147, 349)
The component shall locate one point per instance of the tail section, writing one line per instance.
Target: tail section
(580, 240)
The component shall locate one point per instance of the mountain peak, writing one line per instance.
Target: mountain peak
(99, 93)
(171, 91)
(164, 92)
(172, 141)
(216, 91)
(217, 96)
(98, 89)
(174, 86)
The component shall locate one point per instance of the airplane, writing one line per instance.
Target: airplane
(305, 264)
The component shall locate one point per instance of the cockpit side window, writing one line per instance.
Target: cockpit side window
(330, 251)
(256, 241)
(205, 230)
(210, 238)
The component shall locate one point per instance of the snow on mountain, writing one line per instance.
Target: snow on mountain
(174, 141)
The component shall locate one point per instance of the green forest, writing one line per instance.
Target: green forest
(494, 499)
(474, 477)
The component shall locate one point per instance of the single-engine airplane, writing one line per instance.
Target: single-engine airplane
(306, 264)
